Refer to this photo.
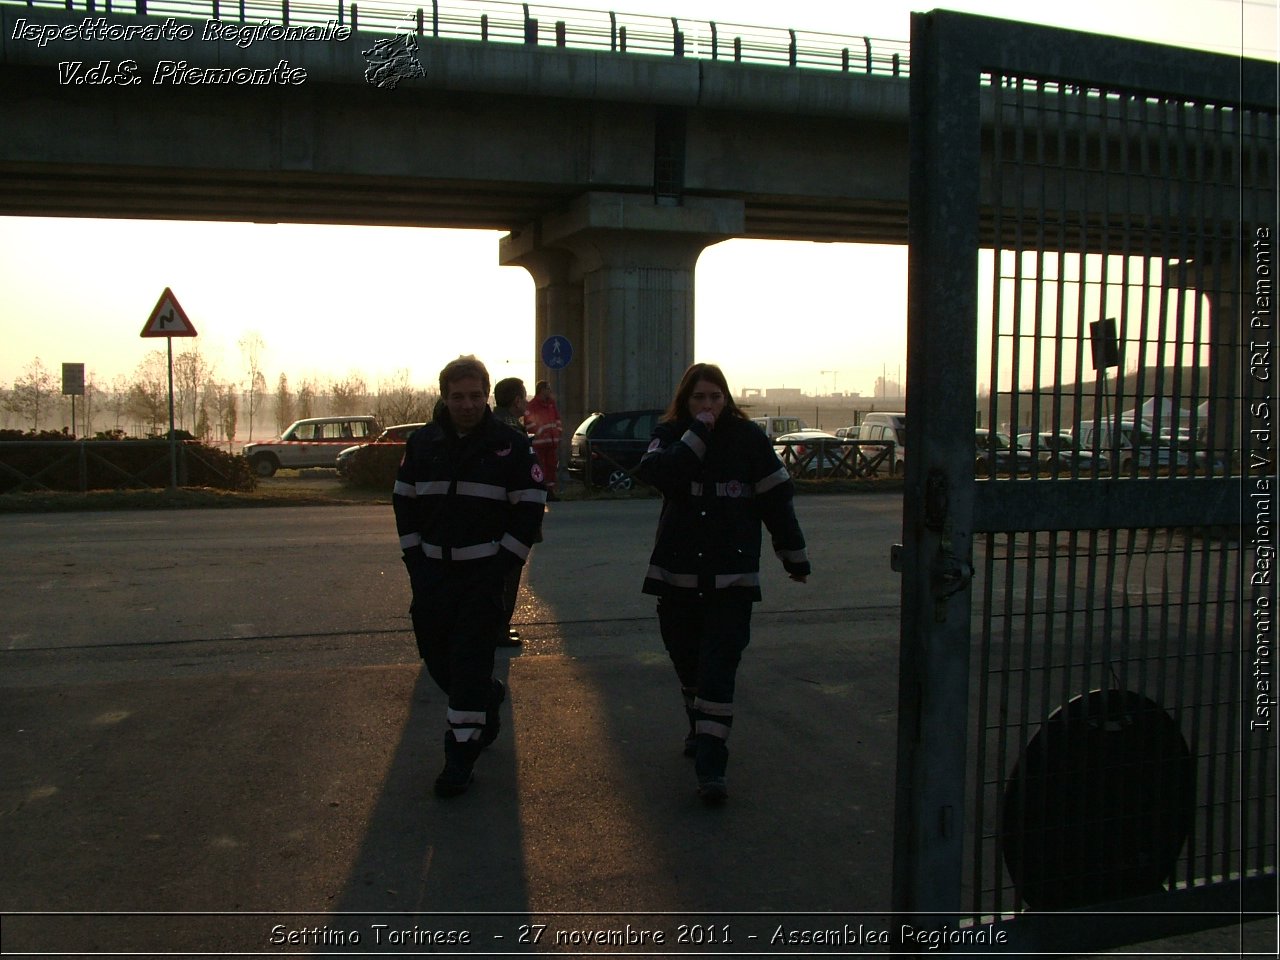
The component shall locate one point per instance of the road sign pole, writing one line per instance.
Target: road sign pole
(173, 436)
(557, 351)
(169, 320)
(560, 473)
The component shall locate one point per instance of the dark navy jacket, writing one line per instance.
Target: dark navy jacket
(718, 486)
(476, 500)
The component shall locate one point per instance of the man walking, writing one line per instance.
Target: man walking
(468, 499)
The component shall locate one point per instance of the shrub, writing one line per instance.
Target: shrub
(211, 467)
(115, 465)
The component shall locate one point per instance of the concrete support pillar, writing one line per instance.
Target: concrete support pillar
(614, 274)
(1227, 395)
(557, 310)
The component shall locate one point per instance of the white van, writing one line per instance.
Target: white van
(777, 426)
(887, 426)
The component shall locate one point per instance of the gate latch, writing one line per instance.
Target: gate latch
(950, 574)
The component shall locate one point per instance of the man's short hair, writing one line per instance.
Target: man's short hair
(506, 391)
(464, 366)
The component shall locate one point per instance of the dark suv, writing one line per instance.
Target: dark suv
(612, 443)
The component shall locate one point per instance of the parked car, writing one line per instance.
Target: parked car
(810, 453)
(888, 426)
(607, 447)
(991, 447)
(775, 427)
(398, 433)
(1130, 443)
(1048, 447)
(313, 442)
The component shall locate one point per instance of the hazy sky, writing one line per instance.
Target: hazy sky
(81, 290)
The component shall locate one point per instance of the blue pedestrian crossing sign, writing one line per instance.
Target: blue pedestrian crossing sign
(557, 352)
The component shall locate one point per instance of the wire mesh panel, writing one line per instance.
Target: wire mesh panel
(1109, 758)
(1144, 622)
(1082, 632)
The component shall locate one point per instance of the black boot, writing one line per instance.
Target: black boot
(492, 722)
(459, 758)
(709, 762)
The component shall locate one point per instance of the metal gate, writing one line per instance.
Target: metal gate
(1086, 726)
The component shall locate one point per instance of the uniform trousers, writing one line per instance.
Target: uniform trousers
(548, 454)
(705, 637)
(457, 612)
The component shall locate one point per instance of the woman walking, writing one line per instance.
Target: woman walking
(720, 480)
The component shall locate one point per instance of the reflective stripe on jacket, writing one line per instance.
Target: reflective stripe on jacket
(472, 498)
(718, 487)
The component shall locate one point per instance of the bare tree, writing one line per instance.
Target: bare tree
(32, 393)
(251, 348)
(204, 428)
(306, 400)
(190, 369)
(88, 404)
(229, 413)
(6, 408)
(148, 393)
(348, 394)
(284, 404)
(399, 402)
(215, 396)
(118, 400)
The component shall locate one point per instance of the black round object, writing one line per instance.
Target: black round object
(1098, 806)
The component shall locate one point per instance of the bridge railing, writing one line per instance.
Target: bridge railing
(530, 23)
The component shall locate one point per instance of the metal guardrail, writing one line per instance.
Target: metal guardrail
(524, 23)
(837, 459)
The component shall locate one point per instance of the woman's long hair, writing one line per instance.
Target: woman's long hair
(679, 407)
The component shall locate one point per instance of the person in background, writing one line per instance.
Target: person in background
(509, 402)
(543, 417)
(468, 503)
(720, 479)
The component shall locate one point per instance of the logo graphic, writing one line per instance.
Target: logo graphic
(733, 488)
(391, 60)
(536, 473)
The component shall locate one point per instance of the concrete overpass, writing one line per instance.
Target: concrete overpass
(612, 171)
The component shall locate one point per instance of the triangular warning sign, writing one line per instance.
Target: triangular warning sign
(168, 319)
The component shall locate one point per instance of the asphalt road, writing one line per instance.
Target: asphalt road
(211, 590)
(218, 719)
